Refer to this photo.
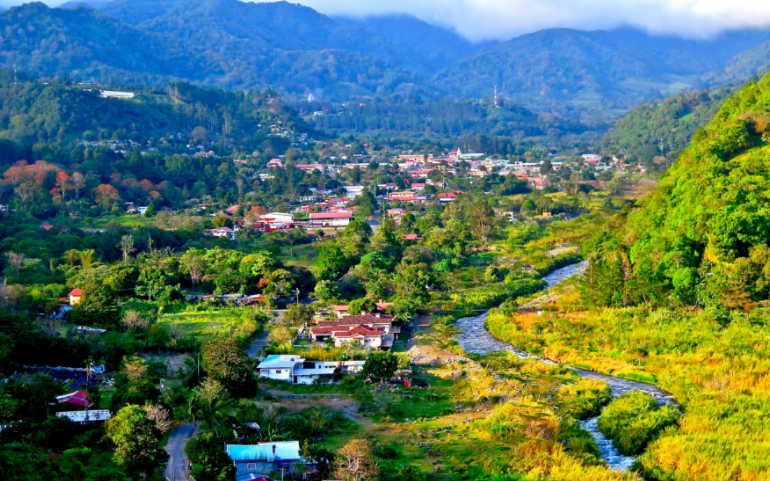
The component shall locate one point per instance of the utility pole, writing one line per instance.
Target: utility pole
(495, 96)
(296, 292)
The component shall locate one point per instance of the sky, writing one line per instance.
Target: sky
(503, 19)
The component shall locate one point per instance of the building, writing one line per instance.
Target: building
(111, 94)
(375, 331)
(297, 370)
(86, 417)
(232, 210)
(278, 367)
(224, 232)
(330, 220)
(77, 398)
(264, 458)
(277, 218)
(75, 296)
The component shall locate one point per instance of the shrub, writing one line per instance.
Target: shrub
(586, 398)
(634, 419)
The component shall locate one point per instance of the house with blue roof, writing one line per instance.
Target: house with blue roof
(264, 458)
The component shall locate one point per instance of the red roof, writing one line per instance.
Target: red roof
(362, 331)
(331, 215)
(76, 293)
(411, 237)
(46, 226)
(77, 398)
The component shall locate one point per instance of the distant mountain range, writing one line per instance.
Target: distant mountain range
(298, 51)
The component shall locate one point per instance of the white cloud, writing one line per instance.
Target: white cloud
(503, 19)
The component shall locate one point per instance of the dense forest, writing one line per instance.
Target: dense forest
(417, 116)
(701, 239)
(663, 129)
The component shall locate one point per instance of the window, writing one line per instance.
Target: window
(251, 466)
(278, 371)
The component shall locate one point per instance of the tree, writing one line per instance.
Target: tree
(225, 362)
(355, 462)
(208, 403)
(78, 183)
(135, 383)
(150, 210)
(481, 217)
(137, 441)
(126, 246)
(15, 261)
(380, 366)
(280, 335)
(299, 314)
(326, 290)
(159, 415)
(194, 263)
(211, 462)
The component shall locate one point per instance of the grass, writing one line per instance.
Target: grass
(211, 324)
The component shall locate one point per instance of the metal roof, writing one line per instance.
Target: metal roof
(278, 451)
(279, 362)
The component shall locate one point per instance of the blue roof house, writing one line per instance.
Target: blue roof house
(264, 458)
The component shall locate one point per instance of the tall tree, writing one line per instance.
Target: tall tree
(137, 442)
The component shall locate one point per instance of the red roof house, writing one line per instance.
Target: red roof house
(78, 398)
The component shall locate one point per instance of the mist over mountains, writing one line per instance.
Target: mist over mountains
(299, 51)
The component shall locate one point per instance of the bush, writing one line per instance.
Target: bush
(634, 419)
(586, 398)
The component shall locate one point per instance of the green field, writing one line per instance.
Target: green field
(211, 324)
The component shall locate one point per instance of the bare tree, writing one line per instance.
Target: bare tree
(159, 415)
(127, 246)
(78, 183)
(355, 463)
(195, 265)
(132, 319)
(15, 261)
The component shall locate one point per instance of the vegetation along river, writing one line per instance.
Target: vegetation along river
(475, 338)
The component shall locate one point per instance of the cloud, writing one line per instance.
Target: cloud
(504, 19)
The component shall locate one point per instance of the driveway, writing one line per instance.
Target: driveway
(176, 469)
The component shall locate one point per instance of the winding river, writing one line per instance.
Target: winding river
(475, 338)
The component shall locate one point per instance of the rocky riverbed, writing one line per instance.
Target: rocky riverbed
(475, 338)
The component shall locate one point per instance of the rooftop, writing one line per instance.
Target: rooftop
(282, 450)
(279, 362)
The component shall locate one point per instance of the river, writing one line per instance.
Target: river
(475, 338)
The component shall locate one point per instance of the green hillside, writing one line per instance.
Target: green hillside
(673, 122)
(702, 237)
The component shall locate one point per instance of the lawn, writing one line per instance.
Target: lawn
(211, 324)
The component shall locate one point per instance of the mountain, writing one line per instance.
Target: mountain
(615, 70)
(235, 25)
(669, 124)
(753, 61)
(438, 46)
(83, 44)
(702, 237)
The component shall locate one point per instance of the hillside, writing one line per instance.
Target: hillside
(702, 237)
(562, 68)
(83, 44)
(416, 116)
(297, 50)
(672, 121)
(437, 46)
(32, 112)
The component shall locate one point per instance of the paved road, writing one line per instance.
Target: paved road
(177, 462)
(261, 340)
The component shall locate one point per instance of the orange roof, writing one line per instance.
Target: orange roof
(76, 293)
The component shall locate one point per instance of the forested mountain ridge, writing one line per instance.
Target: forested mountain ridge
(701, 238)
(663, 129)
(298, 51)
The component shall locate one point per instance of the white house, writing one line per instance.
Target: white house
(223, 232)
(279, 367)
(353, 191)
(278, 218)
(116, 95)
(297, 370)
(85, 417)
(332, 220)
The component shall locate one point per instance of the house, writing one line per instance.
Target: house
(333, 220)
(86, 417)
(223, 232)
(275, 163)
(353, 191)
(375, 331)
(278, 367)
(412, 237)
(75, 296)
(232, 210)
(264, 458)
(447, 197)
(297, 370)
(341, 311)
(110, 94)
(46, 227)
(277, 218)
(78, 398)
(311, 371)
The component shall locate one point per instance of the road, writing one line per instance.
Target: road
(261, 340)
(176, 469)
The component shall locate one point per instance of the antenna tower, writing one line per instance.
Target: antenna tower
(15, 78)
(495, 96)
